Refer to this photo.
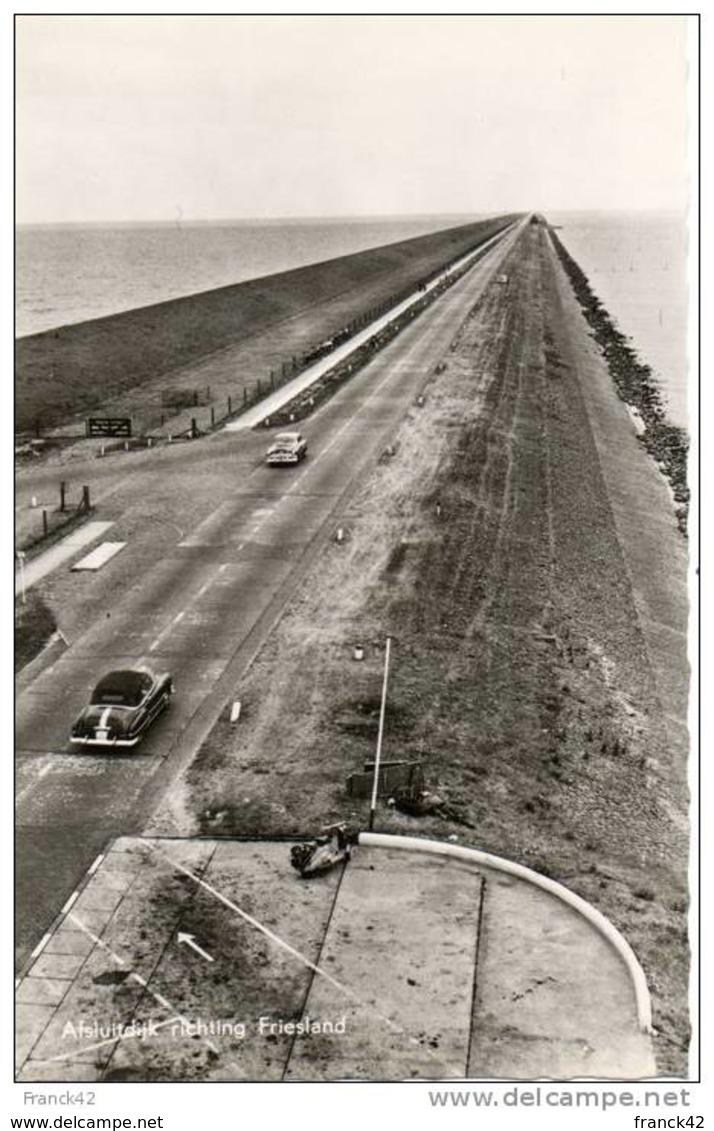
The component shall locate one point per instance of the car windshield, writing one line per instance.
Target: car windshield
(122, 689)
(286, 440)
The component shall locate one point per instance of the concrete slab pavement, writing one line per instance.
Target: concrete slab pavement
(402, 965)
(29, 573)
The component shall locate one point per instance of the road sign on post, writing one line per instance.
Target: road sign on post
(109, 426)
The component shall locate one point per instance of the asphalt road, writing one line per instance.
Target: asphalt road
(217, 542)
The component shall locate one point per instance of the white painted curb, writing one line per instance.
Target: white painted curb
(593, 916)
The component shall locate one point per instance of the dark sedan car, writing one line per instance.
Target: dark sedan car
(122, 707)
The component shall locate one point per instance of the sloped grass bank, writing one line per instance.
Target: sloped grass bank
(73, 368)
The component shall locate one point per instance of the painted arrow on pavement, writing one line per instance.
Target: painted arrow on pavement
(183, 937)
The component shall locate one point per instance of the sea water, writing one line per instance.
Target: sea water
(636, 264)
(70, 272)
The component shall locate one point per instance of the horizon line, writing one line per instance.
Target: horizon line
(330, 217)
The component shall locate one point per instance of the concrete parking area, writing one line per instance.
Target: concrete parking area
(212, 960)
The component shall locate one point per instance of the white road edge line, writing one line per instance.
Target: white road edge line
(41, 945)
(96, 864)
(70, 902)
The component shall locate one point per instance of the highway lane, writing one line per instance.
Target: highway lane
(196, 595)
(309, 376)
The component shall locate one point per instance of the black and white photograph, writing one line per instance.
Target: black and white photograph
(355, 554)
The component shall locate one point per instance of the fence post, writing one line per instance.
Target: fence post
(85, 498)
(63, 492)
(195, 397)
(230, 407)
(44, 522)
(213, 416)
(194, 429)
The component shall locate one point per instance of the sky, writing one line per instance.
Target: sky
(131, 118)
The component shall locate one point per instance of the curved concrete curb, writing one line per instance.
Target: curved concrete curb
(595, 917)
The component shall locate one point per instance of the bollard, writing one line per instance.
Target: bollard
(85, 497)
(340, 535)
(213, 416)
(230, 406)
(245, 394)
(101, 450)
(194, 428)
(63, 495)
(33, 501)
(235, 710)
(45, 526)
(358, 653)
(149, 442)
(126, 445)
(169, 438)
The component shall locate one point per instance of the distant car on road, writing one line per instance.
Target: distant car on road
(287, 447)
(122, 707)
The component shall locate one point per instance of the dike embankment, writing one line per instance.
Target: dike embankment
(278, 318)
(521, 546)
(635, 384)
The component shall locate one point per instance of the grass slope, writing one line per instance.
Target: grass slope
(72, 368)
